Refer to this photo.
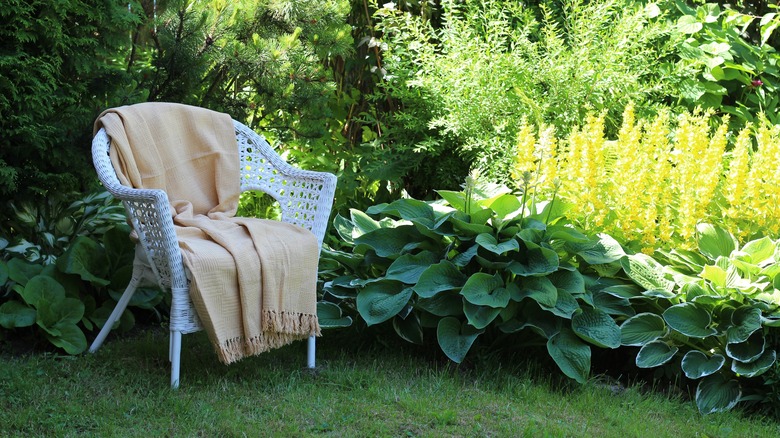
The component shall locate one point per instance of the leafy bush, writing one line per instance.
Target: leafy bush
(55, 77)
(463, 85)
(653, 184)
(480, 261)
(708, 314)
(733, 62)
(65, 269)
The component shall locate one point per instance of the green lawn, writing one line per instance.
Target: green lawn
(356, 391)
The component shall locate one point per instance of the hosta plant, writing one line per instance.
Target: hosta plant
(709, 312)
(476, 261)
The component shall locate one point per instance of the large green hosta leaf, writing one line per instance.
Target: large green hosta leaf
(690, 319)
(756, 367)
(570, 354)
(329, 316)
(696, 364)
(717, 393)
(535, 260)
(646, 272)
(14, 314)
(390, 242)
(654, 354)
(409, 328)
(440, 277)
(602, 251)
(455, 338)
(749, 350)
(480, 316)
(85, 258)
(382, 300)
(489, 242)
(642, 329)
(715, 242)
(408, 268)
(746, 320)
(486, 290)
(596, 327)
(69, 337)
(539, 289)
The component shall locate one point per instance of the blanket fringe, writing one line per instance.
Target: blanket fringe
(279, 329)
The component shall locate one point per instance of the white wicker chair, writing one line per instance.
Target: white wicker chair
(305, 198)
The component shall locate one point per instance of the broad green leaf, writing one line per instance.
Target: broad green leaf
(760, 250)
(688, 24)
(409, 209)
(455, 338)
(570, 281)
(42, 291)
(746, 320)
(597, 327)
(362, 222)
(442, 304)
(570, 354)
(440, 277)
(66, 311)
(642, 329)
(380, 301)
(646, 272)
(3, 272)
(329, 316)
(749, 350)
(535, 261)
(70, 338)
(537, 319)
(21, 271)
(14, 314)
(480, 316)
(715, 242)
(87, 259)
(696, 364)
(346, 229)
(464, 258)
(690, 319)
(602, 251)
(539, 289)
(756, 367)
(714, 274)
(485, 290)
(654, 354)
(489, 242)
(388, 242)
(409, 328)
(408, 268)
(566, 304)
(612, 304)
(456, 199)
(120, 250)
(467, 229)
(505, 206)
(717, 393)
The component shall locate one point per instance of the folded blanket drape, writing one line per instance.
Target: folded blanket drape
(253, 281)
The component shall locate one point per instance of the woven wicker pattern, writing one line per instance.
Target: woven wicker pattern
(305, 198)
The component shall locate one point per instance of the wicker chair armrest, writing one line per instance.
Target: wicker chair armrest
(305, 196)
(148, 211)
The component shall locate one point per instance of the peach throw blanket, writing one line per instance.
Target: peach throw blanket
(253, 281)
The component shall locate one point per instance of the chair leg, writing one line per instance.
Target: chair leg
(175, 356)
(310, 352)
(118, 310)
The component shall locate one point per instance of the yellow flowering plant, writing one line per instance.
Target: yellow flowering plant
(660, 177)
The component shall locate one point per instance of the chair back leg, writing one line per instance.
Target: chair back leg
(311, 347)
(175, 357)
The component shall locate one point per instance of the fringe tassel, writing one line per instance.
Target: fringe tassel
(279, 329)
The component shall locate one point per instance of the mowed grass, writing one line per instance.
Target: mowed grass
(356, 391)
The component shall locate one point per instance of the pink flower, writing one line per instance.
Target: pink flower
(756, 83)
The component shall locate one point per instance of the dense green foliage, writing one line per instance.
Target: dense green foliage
(57, 71)
(68, 266)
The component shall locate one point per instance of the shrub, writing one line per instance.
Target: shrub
(463, 85)
(654, 183)
(479, 262)
(64, 270)
(710, 315)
